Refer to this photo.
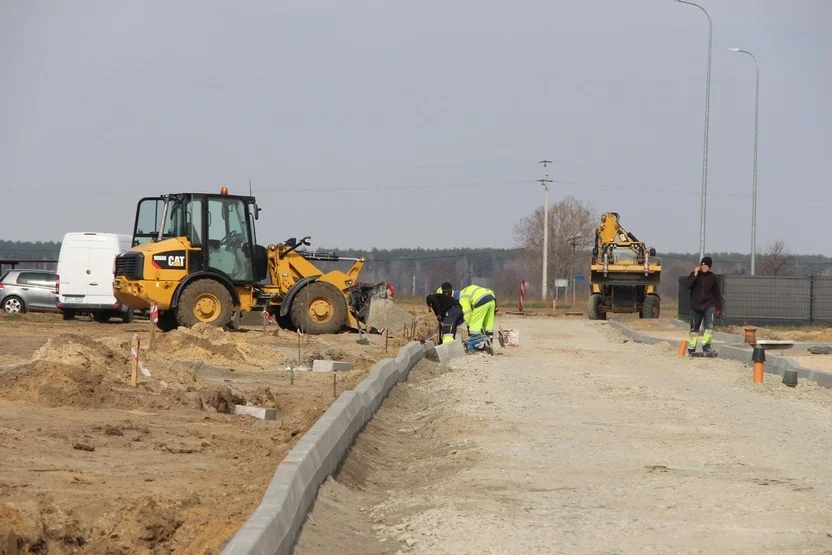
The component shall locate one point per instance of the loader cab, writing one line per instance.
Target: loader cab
(217, 230)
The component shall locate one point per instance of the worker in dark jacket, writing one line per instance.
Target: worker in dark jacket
(447, 310)
(705, 302)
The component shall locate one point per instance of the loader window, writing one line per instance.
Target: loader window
(148, 220)
(229, 244)
(193, 221)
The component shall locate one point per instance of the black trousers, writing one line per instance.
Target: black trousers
(453, 318)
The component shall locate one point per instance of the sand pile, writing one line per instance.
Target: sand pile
(70, 369)
(76, 370)
(385, 314)
(203, 342)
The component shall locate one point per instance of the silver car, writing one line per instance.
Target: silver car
(29, 290)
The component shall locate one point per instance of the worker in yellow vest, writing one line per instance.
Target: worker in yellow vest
(479, 305)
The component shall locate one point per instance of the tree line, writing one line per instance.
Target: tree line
(421, 271)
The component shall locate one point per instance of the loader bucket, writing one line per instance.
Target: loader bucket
(362, 295)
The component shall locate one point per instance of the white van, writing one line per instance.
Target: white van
(85, 276)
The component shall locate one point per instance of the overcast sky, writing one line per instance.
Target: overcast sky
(418, 124)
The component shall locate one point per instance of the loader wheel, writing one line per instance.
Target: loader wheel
(593, 308)
(319, 307)
(650, 308)
(205, 301)
(167, 321)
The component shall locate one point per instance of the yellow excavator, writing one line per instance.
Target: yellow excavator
(195, 255)
(624, 273)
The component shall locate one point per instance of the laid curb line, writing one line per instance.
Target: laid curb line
(274, 526)
(736, 338)
(775, 364)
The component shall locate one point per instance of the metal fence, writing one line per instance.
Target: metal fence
(770, 300)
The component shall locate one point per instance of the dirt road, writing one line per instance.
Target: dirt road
(580, 442)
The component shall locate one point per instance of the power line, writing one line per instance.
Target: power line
(70, 191)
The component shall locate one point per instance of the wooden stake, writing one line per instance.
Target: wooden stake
(386, 338)
(152, 334)
(299, 336)
(154, 315)
(134, 348)
(334, 378)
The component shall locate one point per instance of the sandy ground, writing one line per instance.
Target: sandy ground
(89, 464)
(579, 441)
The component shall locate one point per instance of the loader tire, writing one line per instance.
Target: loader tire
(318, 308)
(650, 308)
(593, 308)
(167, 321)
(205, 301)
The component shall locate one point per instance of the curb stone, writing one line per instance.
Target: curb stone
(775, 364)
(274, 526)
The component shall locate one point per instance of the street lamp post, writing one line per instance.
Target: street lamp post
(754, 178)
(705, 150)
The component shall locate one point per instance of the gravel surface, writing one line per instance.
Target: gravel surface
(579, 441)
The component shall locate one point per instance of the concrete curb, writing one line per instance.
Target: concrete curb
(775, 364)
(736, 338)
(276, 523)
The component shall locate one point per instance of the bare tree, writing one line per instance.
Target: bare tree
(776, 260)
(505, 280)
(567, 218)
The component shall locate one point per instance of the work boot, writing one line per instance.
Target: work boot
(691, 351)
(706, 348)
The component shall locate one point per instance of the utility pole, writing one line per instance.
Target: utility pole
(545, 182)
(573, 240)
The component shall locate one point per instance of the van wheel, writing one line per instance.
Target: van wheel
(68, 314)
(100, 317)
(127, 317)
(205, 301)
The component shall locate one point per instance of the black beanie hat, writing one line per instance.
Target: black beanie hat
(447, 286)
(707, 261)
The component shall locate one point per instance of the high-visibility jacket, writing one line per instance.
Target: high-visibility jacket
(472, 297)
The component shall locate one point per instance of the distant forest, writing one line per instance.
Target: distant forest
(420, 271)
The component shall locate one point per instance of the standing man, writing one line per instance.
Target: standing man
(705, 302)
(478, 308)
(447, 310)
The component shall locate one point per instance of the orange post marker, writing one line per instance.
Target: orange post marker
(758, 357)
(758, 372)
(683, 347)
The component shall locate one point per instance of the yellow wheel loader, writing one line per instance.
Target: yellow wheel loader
(195, 255)
(623, 273)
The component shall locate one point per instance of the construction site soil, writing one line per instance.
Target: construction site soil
(90, 464)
